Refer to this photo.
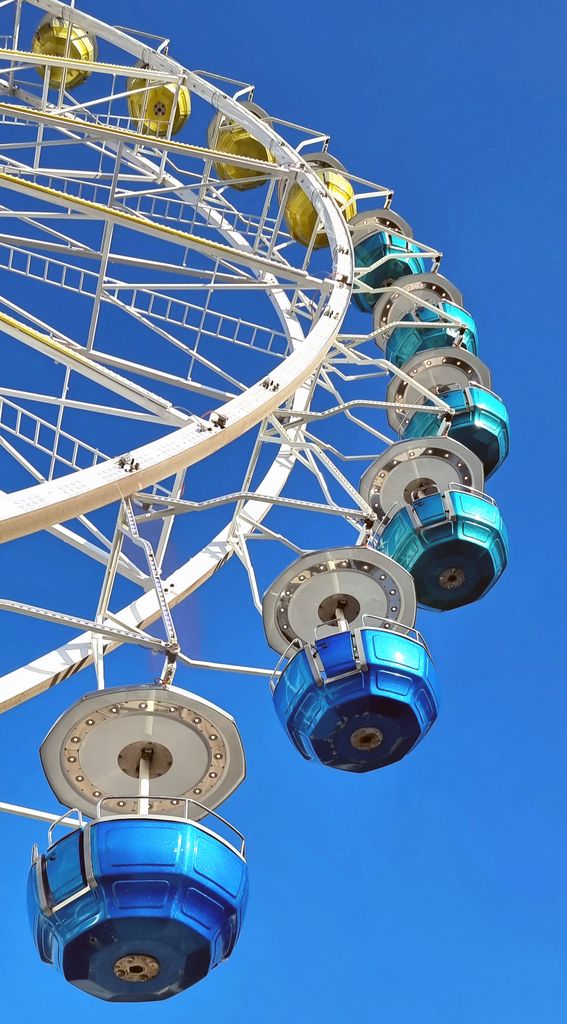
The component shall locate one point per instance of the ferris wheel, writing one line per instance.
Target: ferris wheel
(203, 311)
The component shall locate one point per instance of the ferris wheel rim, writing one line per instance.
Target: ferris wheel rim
(43, 505)
(65, 661)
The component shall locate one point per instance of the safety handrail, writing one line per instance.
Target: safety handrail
(472, 490)
(185, 801)
(426, 405)
(390, 625)
(394, 626)
(62, 820)
(329, 624)
(273, 680)
(456, 487)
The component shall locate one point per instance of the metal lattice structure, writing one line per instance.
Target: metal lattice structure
(158, 309)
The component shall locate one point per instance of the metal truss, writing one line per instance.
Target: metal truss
(198, 322)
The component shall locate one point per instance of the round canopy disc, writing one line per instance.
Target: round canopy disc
(93, 750)
(435, 368)
(371, 222)
(360, 581)
(220, 120)
(394, 305)
(408, 469)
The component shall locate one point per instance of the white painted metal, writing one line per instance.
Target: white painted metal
(92, 751)
(252, 256)
(282, 465)
(44, 505)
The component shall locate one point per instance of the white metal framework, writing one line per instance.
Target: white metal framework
(150, 316)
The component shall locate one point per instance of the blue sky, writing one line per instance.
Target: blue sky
(434, 891)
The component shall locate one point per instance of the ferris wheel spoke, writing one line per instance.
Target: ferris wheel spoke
(209, 280)
(197, 200)
(171, 507)
(74, 357)
(105, 629)
(309, 456)
(98, 554)
(44, 228)
(217, 283)
(34, 432)
(212, 323)
(167, 525)
(177, 278)
(124, 567)
(238, 543)
(345, 407)
(158, 305)
(251, 261)
(63, 663)
(194, 355)
(342, 456)
(191, 351)
(70, 248)
(154, 574)
(219, 666)
(214, 250)
(51, 60)
(305, 448)
(96, 130)
(140, 369)
(88, 407)
(356, 357)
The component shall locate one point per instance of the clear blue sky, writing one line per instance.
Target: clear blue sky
(433, 892)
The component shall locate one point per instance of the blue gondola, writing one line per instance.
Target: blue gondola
(454, 544)
(358, 700)
(378, 234)
(480, 422)
(137, 909)
(404, 342)
(427, 327)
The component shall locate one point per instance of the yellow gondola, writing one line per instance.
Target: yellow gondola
(300, 215)
(150, 106)
(227, 136)
(56, 37)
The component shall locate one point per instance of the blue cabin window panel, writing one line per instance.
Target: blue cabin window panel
(64, 867)
(336, 654)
